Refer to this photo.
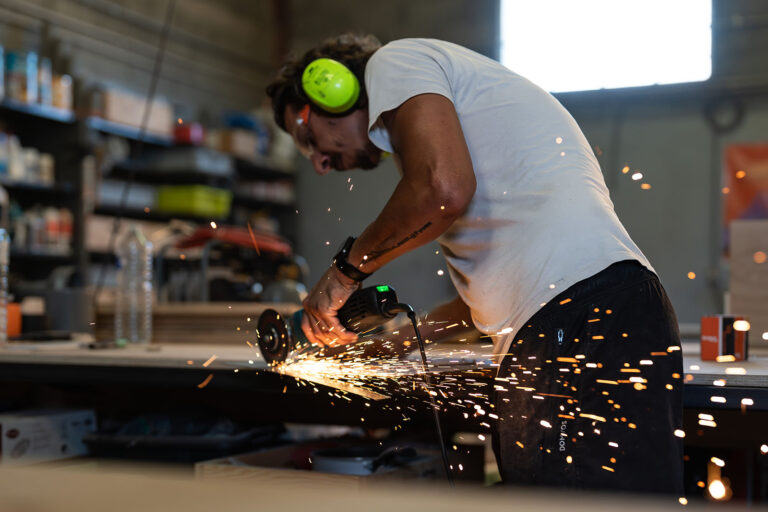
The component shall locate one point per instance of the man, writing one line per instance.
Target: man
(588, 392)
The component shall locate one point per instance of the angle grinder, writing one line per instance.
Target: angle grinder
(281, 338)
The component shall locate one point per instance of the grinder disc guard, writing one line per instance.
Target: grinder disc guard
(275, 336)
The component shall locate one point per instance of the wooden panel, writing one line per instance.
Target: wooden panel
(749, 276)
(211, 323)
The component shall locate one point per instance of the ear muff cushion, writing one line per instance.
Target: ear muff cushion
(330, 85)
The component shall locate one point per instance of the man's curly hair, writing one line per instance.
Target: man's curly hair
(352, 50)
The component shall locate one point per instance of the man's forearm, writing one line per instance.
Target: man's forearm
(416, 213)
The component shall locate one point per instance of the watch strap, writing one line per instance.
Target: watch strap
(341, 263)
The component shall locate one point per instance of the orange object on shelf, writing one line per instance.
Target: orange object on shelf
(722, 340)
(259, 240)
(13, 327)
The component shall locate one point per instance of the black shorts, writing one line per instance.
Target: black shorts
(590, 393)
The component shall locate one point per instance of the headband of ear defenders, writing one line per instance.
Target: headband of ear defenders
(330, 85)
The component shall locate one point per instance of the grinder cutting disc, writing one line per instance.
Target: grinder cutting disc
(275, 336)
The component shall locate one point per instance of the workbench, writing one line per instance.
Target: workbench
(235, 382)
(242, 369)
(232, 380)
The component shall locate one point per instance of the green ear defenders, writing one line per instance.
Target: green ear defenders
(330, 85)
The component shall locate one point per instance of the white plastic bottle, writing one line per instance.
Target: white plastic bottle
(5, 256)
(5, 248)
(133, 305)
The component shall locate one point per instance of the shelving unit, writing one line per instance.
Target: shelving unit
(54, 131)
(71, 139)
(245, 171)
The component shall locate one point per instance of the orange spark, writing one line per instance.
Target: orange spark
(253, 239)
(206, 381)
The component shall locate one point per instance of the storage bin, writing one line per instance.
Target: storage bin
(196, 200)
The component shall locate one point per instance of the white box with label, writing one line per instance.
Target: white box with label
(40, 435)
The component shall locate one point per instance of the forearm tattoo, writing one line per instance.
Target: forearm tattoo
(376, 254)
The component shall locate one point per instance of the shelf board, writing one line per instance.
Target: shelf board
(152, 216)
(253, 202)
(262, 169)
(28, 186)
(145, 175)
(41, 257)
(40, 111)
(102, 256)
(126, 131)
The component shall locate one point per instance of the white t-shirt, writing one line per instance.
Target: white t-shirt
(541, 218)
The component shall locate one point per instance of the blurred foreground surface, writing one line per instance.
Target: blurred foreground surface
(120, 488)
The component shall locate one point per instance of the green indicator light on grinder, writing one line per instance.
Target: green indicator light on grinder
(382, 288)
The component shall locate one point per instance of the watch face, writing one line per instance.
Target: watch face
(347, 245)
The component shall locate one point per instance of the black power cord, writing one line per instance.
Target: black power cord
(408, 310)
(140, 146)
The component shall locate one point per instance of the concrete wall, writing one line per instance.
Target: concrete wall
(664, 134)
(218, 54)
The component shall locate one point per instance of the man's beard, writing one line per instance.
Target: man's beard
(368, 158)
(365, 159)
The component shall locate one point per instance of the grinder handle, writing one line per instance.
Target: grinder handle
(367, 309)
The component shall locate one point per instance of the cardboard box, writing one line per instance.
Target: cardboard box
(722, 340)
(288, 465)
(40, 435)
(98, 229)
(127, 108)
(240, 143)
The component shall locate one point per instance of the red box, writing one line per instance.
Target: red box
(189, 134)
(723, 339)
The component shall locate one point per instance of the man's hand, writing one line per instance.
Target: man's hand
(320, 323)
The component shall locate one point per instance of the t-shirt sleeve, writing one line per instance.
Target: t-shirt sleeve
(394, 74)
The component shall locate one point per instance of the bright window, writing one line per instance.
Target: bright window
(577, 45)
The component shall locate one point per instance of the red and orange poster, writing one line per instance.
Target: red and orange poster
(745, 185)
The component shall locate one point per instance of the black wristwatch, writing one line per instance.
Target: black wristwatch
(341, 263)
